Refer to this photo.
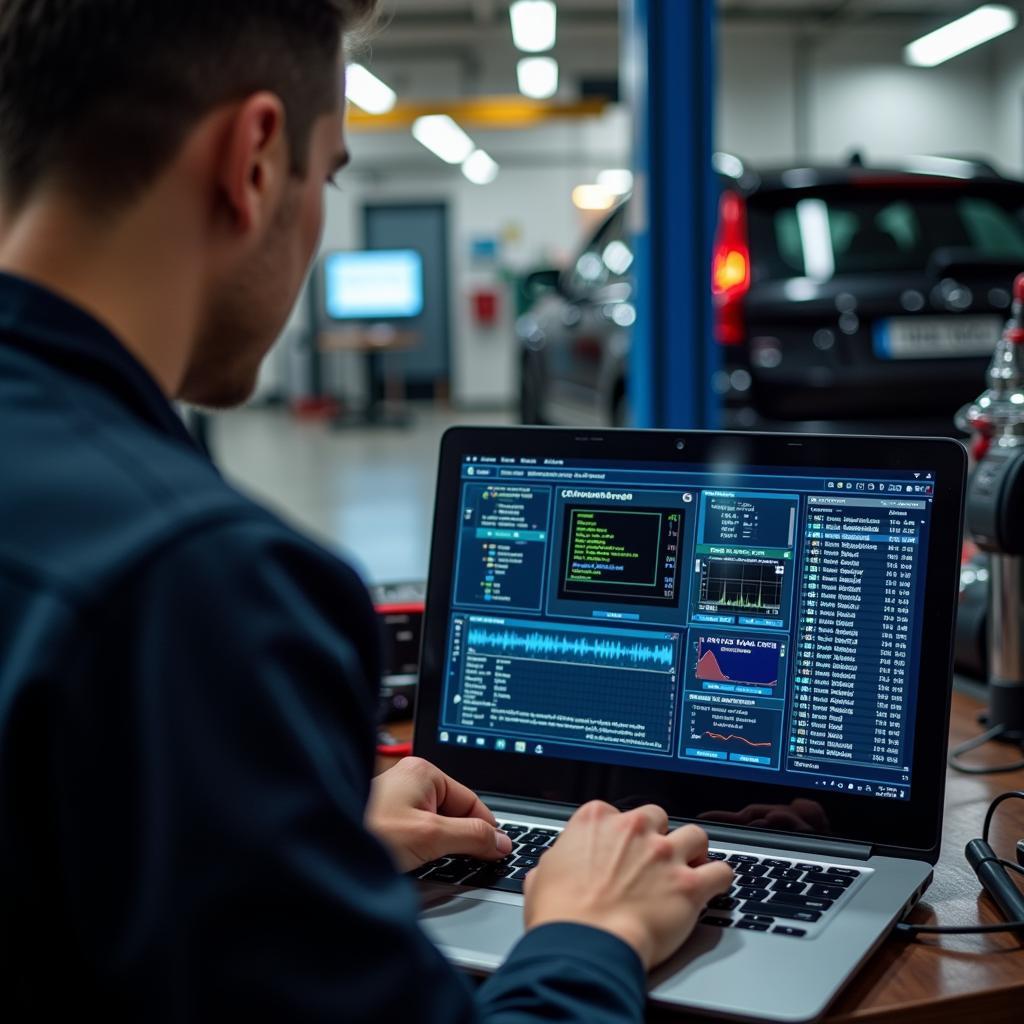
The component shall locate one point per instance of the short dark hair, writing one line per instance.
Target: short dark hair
(98, 95)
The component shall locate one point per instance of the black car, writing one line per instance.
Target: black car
(847, 294)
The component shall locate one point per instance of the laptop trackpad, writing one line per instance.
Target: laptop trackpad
(480, 932)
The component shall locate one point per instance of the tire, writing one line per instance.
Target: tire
(531, 391)
(621, 416)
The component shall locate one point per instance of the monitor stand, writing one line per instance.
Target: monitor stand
(372, 343)
(377, 412)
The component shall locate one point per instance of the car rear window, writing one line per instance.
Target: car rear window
(835, 233)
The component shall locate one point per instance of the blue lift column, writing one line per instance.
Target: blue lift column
(669, 49)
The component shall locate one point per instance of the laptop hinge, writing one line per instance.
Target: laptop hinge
(502, 804)
(836, 848)
(815, 845)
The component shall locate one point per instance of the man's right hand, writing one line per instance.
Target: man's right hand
(624, 873)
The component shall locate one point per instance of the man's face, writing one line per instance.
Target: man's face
(247, 311)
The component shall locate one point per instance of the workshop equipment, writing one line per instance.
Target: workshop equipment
(995, 519)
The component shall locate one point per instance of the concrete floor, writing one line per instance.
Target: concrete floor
(367, 494)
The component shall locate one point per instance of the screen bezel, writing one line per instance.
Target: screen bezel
(388, 316)
(902, 828)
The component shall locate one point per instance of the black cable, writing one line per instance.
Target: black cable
(972, 744)
(1012, 794)
(911, 931)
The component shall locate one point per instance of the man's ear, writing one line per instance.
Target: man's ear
(255, 161)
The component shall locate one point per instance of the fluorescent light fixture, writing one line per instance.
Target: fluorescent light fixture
(982, 24)
(593, 197)
(816, 237)
(538, 77)
(443, 137)
(618, 257)
(480, 167)
(727, 164)
(367, 91)
(618, 180)
(534, 25)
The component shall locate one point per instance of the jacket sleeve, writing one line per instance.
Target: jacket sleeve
(220, 751)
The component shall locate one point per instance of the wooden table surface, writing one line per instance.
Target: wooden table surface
(942, 979)
(976, 978)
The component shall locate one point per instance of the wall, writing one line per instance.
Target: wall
(755, 113)
(788, 94)
(862, 94)
(1009, 107)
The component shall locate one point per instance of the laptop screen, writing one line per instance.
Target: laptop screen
(752, 623)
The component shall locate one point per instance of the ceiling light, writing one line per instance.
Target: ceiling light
(617, 256)
(981, 25)
(443, 137)
(534, 25)
(727, 164)
(367, 91)
(538, 77)
(593, 197)
(619, 181)
(480, 168)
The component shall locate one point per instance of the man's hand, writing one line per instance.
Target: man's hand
(622, 873)
(419, 813)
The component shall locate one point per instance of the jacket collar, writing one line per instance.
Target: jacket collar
(62, 335)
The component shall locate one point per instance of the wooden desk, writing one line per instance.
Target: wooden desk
(943, 979)
(379, 338)
(372, 342)
(976, 978)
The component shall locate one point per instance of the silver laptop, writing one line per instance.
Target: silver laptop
(753, 631)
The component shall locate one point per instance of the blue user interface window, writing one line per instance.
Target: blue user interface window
(764, 625)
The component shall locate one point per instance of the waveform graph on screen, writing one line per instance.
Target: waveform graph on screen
(575, 647)
(739, 661)
(740, 584)
(585, 686)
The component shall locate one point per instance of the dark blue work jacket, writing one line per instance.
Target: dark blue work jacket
(187, 695)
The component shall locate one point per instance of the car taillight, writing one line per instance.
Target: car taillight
(730, 269)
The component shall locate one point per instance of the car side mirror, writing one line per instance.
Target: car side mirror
(541, 281)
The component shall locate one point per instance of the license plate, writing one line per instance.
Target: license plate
(936, 337)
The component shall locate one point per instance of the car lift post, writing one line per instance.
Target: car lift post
(668, 68)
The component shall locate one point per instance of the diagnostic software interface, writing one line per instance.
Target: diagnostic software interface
(761, 625)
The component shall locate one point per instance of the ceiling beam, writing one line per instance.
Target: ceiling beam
(492, 113)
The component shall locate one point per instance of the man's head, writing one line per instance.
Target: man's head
(240, 100)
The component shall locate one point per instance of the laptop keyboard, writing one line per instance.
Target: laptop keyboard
(769, 894)
(507, 874)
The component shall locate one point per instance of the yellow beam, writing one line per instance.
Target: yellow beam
(494, 113)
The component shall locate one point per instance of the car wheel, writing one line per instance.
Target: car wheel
(621, 413)
(531, 390)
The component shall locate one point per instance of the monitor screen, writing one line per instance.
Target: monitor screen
(373, 285)
(757, 624)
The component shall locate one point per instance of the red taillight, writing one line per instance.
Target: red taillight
(730, 269)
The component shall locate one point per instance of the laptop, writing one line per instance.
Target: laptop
(752, 630)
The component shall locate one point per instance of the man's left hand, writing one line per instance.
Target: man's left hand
(420, 814)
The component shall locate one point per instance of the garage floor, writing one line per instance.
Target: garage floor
(366, 493)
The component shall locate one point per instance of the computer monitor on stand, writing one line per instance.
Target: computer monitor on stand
(370, 301)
